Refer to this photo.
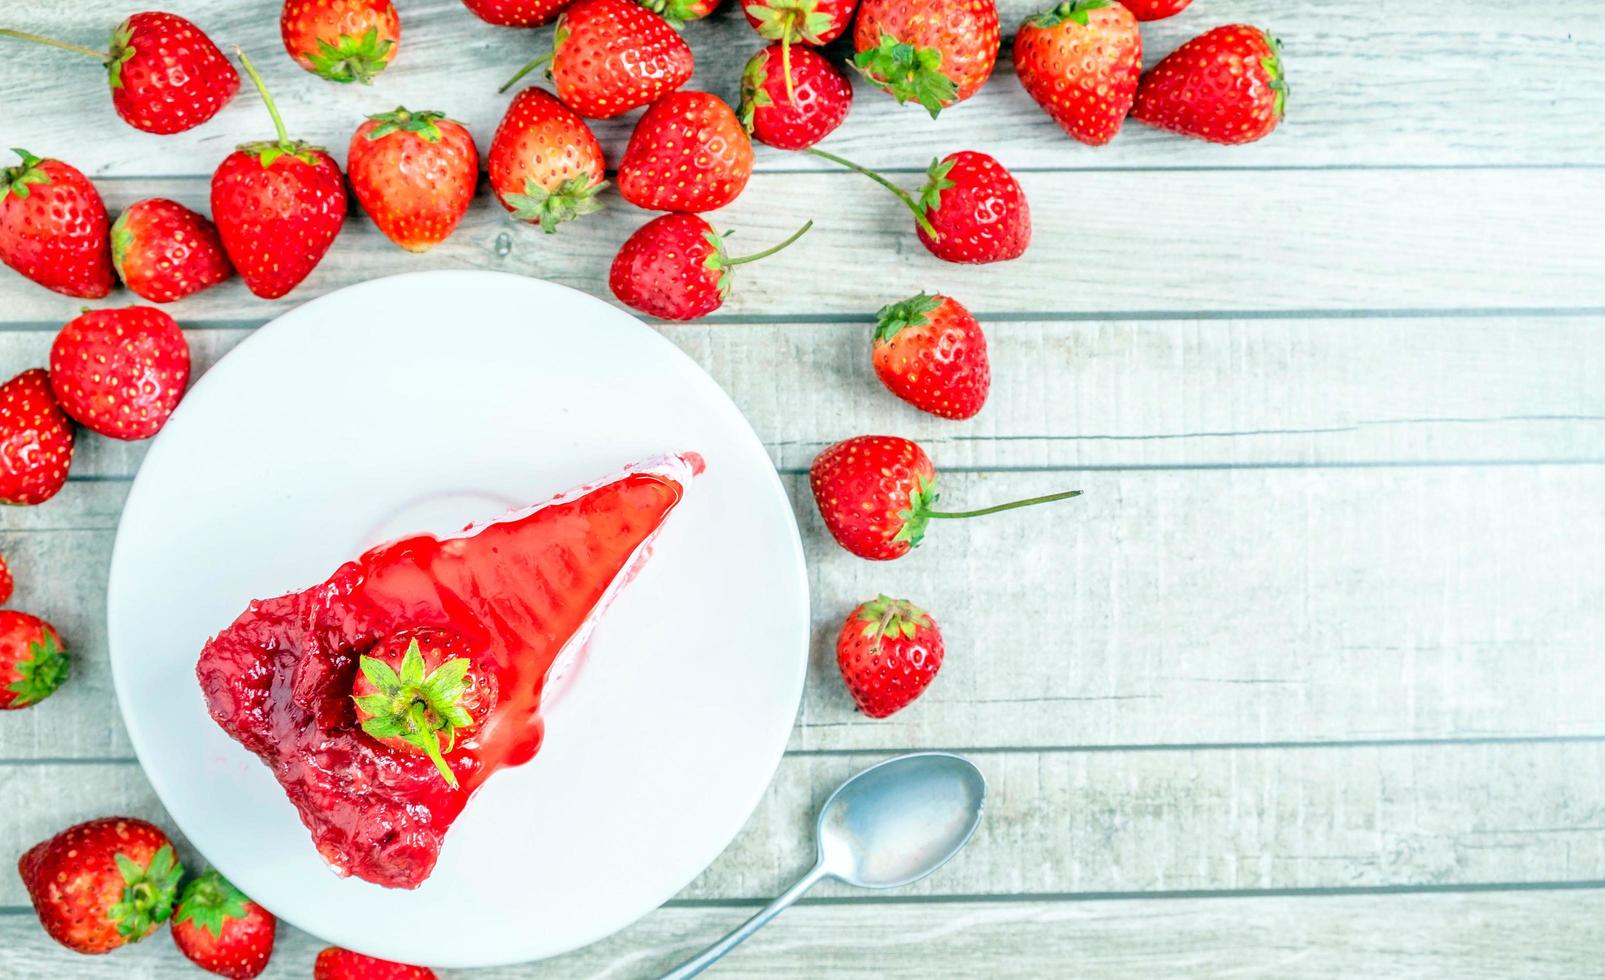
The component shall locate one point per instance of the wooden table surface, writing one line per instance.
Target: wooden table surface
(1311, 682)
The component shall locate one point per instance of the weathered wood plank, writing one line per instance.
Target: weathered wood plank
(1491, 936)
(1164, 607)
(1074, 822)
(1094, 394)
(1412, 88)
(1206, 242)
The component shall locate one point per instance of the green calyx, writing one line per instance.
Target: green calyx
(399, 120)
(15, 180)
(148, 893)
(352, 57)
(270, 151)
(122, 239)
(417, 707)
(122, 49)
(935, 183)
(909, 73)
(1072, 10)
(675, 12)
(209, 901)
(45, 669)
(724, 265)
(885, 617)
(1272, 63)
(569, 200)
(790, 21)
(753, 94)
(893, 318)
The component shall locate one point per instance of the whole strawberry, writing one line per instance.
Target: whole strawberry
(936, 53)
(278, 205)
(688, 153)
(1155, 9)
(341, 40)
(516, 13)
(222, 931)
(166, 75)
(35, 440)
(33, 660)
(878, 493)
(414, 173)
(797, 22)
(889, 651)
(163, 251)
(1224, 86)
(675, 267)
(120, 372)
(817, 104)
(7, 585)
(53, 227)
(976, 209)
(335, 963)
(101, 884)
(421, 690)
(930, 352)
(546, 166)
(680, 12)
(610, 56)
(1080, 61)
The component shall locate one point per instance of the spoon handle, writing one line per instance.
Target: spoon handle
(706, 958)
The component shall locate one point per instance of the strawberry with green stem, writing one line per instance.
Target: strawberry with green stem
(789, 22)
(821, 96)
(1225, 86)
(680, 12)
(888, 651)
(166, 75)
(877, 494)
(611, 56)
(936, 53)
(420, 691)
(414, 173)
(341, 40)
(102, 884)
(221, 930)
(545, 164)
(1080, 60)
(675, 267)
(33, 660)
(929, 351)
(53, 227)
(163, 251)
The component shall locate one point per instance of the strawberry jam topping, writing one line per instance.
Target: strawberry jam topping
(516, 592)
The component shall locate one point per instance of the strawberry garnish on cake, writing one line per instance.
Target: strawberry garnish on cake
(383, 697)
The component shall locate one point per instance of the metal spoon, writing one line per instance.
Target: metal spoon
(889, 826)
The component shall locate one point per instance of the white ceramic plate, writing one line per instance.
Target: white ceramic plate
(422, 403)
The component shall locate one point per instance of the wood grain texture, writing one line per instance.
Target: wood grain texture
(1410, 85)
(1059, 823)
(1111, 620)
(1490, 936)
(1207, 242)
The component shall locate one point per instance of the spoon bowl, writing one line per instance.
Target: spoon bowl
(897, 822)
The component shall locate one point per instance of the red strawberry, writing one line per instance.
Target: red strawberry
(679, 12)
(545, 163)
(33, 660)
(164, 251)
(166, 75)
(341, 40)
(976, 209)
(688, 153)
(222, 931)
(7, 586)
(1225, 86)
(1155, 9)
(675, 267)
(419, 691)
(889, 651)
(818, 103)
(930, 352)
(610, 56)
(53, 227)
(876, 494)
(100, 884)
(516, 13)
(414, 173)
(790, 22)
(120, 372)
(335, 963)
(935, 53)
(35, 440)
(278, 206)
(1080, 61)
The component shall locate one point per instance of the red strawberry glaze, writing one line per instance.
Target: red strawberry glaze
(522, 591)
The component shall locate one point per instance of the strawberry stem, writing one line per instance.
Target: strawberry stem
(261, 88)
(100, 56)
(543, 59)
(902, 195)
(773, 248)
(785, 67)
(996, 508)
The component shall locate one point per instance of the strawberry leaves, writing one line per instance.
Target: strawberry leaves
(400, 120)
(887, 618)
(895, 317)
(148, 893)
(909, 73)
(352, 58)
(1074, 11)
(572, 198)
(936, 181)
(1272, 63)
(46, 669)
(921, 499)
(15, 180)
(208, 901)
(417, 706)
